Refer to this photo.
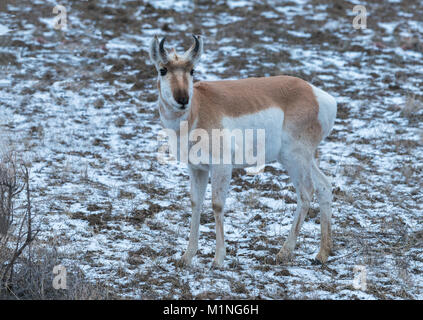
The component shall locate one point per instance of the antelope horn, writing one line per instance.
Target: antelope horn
(162, 50)
(196, 45)
(193, 52)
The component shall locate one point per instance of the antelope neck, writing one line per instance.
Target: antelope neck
(172, 119)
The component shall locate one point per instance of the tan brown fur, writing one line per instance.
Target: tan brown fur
(213, 100)
(178, 74)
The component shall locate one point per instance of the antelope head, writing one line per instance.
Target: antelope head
(175, 73)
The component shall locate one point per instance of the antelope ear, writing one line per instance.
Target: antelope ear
(195, 52)
(154, 51)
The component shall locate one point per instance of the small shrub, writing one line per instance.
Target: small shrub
(16, 231)
(26, 268)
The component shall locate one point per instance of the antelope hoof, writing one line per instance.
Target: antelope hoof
(185, 261)
(284, 255)
(217, 263)
(322, 257)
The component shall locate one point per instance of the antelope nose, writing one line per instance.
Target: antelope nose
(182, 100)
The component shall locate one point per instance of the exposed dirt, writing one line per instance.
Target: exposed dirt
(80, 104)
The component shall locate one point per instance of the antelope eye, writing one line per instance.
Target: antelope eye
(192, 72)
(163, 71)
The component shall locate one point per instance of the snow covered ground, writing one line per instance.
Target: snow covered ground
(80, 104)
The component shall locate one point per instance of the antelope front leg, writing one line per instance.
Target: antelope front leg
(199, 179)
(220, 180)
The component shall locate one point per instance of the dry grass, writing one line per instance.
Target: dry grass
(33, 279)
(26, 267)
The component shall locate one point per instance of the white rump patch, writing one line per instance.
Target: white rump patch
(327, 110)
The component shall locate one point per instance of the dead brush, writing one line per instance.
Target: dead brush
(25, 266)
(16, 230)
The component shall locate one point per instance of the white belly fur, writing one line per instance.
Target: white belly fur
(271, 120)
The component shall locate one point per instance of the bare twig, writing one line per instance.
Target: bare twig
(12, 183)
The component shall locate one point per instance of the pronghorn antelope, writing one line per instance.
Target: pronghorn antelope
(295, 115)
